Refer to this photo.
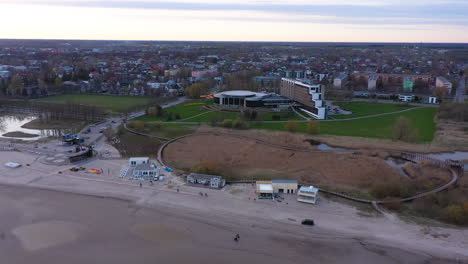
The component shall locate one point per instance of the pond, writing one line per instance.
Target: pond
(459, 155)
(14, 123)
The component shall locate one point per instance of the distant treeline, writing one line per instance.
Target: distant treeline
(48, 111)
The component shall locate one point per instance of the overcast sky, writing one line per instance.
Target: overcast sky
(238, 20)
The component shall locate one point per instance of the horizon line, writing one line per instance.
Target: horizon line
(237, 41)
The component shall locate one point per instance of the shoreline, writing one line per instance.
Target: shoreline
(55, 124)
(19, 134)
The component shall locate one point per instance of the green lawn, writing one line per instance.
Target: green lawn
(374, 127)
(169, 130)
(108, 102)
(231, 115)
(365, 109)
(186, 110)
(195, 108)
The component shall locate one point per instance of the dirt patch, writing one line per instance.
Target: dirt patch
(129, 144)
(242, 159)
(295, 140)
(426, 176)
(452, 134)
(47, 234)
(18, 134)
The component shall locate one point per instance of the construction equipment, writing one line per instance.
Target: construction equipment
(72, 139)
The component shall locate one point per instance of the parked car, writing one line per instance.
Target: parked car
(308, 222)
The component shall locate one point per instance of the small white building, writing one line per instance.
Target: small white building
(432, 100)
(145, 172)
(133, 162)
(372, 83)
(307, 194)
(264, 189)
(284, 186)
(406, 98)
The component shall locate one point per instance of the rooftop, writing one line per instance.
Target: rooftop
(145, 166)
(284, 181)
(265, 187)
(310, 189)
(203, 176)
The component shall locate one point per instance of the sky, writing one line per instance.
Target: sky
(238, 20)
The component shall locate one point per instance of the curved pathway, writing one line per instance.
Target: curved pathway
(454, 178)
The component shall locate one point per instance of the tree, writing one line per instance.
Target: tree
(440, 92)
(313, 127)
(455, 214)
(404, 130)
(291, 125)
(227, 123)
(239, 124)
(158, 125)
(58, 82)
(205, 167)
(137, 124)
(197, 89)
(392, 203)
(42, 85)
(16, 86)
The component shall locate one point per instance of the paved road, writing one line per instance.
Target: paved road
(460, 95)
(95, 129)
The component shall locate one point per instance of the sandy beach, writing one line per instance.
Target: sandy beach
(42, 226)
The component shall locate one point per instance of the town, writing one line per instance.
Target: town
(366, 141)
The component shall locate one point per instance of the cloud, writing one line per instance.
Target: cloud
(295, 20)
(423, 9)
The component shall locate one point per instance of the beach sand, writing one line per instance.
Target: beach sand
(42, 226)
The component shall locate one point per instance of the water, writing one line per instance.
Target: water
(326, 147)
(459, 155)
(397, 164)
(12, 123)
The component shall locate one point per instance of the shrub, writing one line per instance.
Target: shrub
(392, 203)
(313, 127)
(239, 124)
(276, 117)
(389, 189)
(157, 125)
(227, 123)
(455, 214)
(136, 124)
(205, 167)
(404, 130)
(292, 125)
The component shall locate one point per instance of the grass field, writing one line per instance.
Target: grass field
(107, 102)
(191, 111)
(186, 110)
(374, 127)
(365, 109)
